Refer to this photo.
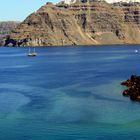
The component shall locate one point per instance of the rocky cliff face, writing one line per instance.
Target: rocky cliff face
(6, 27)
(81, 23)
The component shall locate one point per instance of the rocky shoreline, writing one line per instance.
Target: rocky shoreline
(133, 88)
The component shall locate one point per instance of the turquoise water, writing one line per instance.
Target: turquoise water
(68, 93)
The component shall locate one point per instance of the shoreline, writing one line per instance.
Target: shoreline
(76, 46)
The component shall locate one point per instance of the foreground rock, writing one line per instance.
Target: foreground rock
(81, 23)
(133, 88)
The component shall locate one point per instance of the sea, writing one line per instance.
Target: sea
(68, 93)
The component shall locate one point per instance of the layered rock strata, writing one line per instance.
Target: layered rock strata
(81, 23)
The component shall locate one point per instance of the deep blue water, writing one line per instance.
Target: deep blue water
(68, 93)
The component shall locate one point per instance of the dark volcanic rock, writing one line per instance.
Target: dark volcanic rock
(133, 88)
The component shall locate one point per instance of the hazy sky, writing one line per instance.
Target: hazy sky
(19, 9)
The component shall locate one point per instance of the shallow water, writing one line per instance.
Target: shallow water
(68, 93)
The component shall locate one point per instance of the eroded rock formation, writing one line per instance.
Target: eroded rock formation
(82, 23)
(5, 28)
(133, 87)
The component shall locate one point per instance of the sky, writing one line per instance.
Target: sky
(19, 9)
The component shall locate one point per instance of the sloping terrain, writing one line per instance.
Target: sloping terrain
(81, 23)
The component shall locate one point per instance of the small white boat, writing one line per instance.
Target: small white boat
(31, 53)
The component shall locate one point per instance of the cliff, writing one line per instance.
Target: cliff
(81, 23)
(6, 27)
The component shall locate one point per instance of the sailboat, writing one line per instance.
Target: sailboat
(31, 53)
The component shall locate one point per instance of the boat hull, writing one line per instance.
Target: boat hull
(32, 54)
